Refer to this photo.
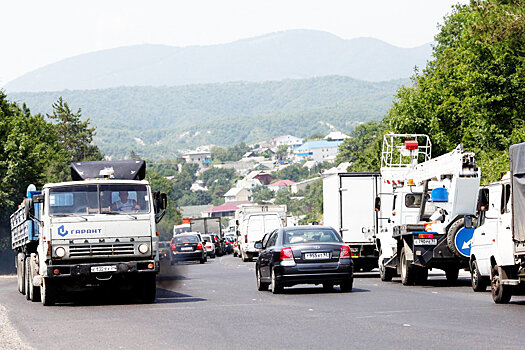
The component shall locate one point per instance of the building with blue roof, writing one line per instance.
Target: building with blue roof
(320, 151)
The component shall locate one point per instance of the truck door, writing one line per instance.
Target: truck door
(487, 232)
(358, 215)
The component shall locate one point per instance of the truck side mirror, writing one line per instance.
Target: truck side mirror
(377, 205)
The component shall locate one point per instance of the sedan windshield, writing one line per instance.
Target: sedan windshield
(311, 236)
(95, 199)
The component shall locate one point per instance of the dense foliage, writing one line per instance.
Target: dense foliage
(229, 154)
(472, 92)
(157, 121)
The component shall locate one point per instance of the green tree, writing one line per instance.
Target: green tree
(282, 152)
(75, 135)
(472, 92)
(294, 172)
(262, 195)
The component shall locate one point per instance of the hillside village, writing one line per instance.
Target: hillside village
(281, 171)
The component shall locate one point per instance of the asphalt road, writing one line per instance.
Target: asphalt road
(217, 306)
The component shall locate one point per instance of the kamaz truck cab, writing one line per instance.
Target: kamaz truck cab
(97, 230)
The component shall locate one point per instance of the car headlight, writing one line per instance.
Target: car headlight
(60, 252)
(143, 248)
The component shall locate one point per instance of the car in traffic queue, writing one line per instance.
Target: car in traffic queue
(219, 245)
(303, 255)
(228, 242)
(236, 250)
(187, 247)
(209, 245)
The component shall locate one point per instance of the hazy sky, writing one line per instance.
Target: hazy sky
(38, 32)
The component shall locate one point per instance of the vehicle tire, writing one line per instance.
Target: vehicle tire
(451, 236)
(244, 257)
(452, 274)
(346, 286)
(261, 286)
(479, 283)
(148, 288)
(202, 261)
(20, 273)
(328, 287)
(407, 271)
(34, 291)
(501, 293)
(385, 273)
(26, 278)
(234, 254)
(48, 292)
(275, 284)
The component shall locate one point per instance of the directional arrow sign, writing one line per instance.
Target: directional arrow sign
(463, 241)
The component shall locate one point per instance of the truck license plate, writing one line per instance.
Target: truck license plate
(425, 241)
(316, 256)
(112, 268)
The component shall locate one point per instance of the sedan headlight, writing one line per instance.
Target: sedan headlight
(143, 248)
(60, 252)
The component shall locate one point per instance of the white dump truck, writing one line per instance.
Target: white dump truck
(97, 230)
(427, 216)
(349, 207)
(253, 222)
(498, 246)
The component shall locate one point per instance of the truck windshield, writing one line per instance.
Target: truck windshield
(95, 199)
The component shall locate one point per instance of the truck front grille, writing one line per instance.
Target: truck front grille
(101, 249)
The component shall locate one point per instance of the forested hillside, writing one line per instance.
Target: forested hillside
(472, 92)
(292, 54)
(157, 121)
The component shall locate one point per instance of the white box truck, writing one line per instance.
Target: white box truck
(253, 222)
(99, 229)
(349, 207)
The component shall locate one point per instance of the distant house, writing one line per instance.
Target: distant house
(201, 157)
(262, 176)
(319, 151)
(224, 210)
(336, 136)
(249, 184)
(281, 185)
(250, 154)
(300, 186)
(287, 140)
(237, 194)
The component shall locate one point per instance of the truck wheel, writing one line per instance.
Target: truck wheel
(385, 273)
(501, 293)
(148, 288)
(34, 291)
(451, 236)
(20, 273)
(26, 278)
(48, 292)
(244, 257)
(261, 286)
(275, 285)
(452, 274)
(479, 283)
(407, 271)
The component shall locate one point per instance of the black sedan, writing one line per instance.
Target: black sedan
(303, 255)
(187, 247)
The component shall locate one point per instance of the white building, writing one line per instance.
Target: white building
(248, 184)
(287, 140)
(319, 151)
(336, 136)
(201, 157)
(237, 194)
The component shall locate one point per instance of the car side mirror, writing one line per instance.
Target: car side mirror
(258, 245)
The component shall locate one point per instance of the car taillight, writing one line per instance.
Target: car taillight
(345, 252)
(235, 244)
(245, 238)
(287, 257)
(173, 247)
(199, 246)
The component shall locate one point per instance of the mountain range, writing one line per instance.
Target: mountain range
(293, 54)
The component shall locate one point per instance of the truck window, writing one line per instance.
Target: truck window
(124, 198)
(73, 200)
(505, 195)
(413, 200)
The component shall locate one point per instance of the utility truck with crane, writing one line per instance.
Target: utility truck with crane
(97, 230)
(427, 209)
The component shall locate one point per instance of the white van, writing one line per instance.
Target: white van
(253, 228)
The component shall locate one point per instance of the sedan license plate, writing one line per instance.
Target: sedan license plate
(112, 268)
(186, 248)
(313, 256)
(425, 241)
